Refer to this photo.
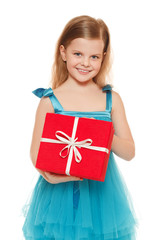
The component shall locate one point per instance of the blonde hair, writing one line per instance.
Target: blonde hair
(88, 28)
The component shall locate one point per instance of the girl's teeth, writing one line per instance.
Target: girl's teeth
(82, 70)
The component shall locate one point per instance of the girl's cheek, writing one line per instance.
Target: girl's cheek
(97, 67)
(73, 61)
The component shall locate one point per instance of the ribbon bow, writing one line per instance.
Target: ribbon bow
(108, 87)
(72, 143)
(42, 92)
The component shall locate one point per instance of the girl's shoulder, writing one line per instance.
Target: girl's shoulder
(117, 102)
(116, 97)
(45, 104)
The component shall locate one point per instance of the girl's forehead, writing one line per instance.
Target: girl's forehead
(83, 43)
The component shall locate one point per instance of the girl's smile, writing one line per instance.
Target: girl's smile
(83, 71)
(83, 58)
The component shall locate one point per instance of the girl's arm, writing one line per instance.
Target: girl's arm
(44, 107)
(123, 143)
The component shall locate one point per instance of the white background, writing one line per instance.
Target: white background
(29, 31)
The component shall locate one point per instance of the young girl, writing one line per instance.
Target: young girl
(67, 207)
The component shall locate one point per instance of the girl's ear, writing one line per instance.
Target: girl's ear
(104, 54)
(63, 52)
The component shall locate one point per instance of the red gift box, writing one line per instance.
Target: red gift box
(75, 146)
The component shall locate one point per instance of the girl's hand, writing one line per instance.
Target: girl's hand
(58, 178)
(89, 118)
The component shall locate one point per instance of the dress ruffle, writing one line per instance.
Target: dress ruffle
(81, 210)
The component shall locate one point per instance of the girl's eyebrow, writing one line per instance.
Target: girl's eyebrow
(76, 50)
(95, 54)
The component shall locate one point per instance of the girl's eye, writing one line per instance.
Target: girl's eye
(95, 57)
(77, 54)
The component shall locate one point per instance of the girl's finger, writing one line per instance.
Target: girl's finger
(58, 178)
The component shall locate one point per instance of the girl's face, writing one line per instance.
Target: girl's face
(83, 58)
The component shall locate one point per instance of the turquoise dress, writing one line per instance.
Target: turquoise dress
(81, 210)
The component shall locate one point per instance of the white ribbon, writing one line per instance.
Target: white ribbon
(72, 145)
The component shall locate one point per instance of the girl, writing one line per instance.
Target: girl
(67, 207)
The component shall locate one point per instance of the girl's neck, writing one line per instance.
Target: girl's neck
(79, 86)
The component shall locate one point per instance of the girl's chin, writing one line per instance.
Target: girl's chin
(81, 78)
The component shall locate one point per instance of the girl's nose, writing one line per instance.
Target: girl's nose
(85, 62)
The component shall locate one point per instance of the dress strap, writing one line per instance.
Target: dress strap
(42, 92)
(108, 90)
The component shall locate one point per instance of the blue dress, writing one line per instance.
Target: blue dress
(81, 210)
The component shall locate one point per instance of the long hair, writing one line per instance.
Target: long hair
(88, 28)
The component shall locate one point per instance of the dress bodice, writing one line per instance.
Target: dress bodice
(58, 108)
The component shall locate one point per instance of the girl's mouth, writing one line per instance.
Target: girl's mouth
(83, 71)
